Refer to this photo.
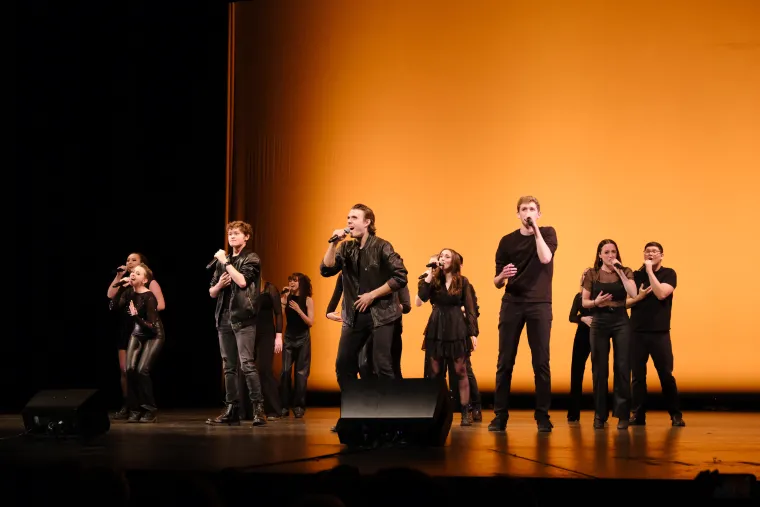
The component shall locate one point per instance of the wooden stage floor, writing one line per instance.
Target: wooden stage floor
(726, 442)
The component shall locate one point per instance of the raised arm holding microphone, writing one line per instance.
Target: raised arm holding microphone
(605, 288)
(525, 263)
(372, 271)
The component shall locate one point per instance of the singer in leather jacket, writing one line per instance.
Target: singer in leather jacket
(242, 307)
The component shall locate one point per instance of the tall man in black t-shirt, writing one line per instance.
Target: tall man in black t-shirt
(525, 262)
(650, 322)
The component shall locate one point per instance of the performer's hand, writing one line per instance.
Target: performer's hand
(648, 264)
(509, 271)
(224, 280)
(363, 302)
(587, 320)
(341, 233)
(335, 316)
(643, 292)
(602, 298)
(293, 305)
(124, 281)
(278, 343)
(221, 256)
(474, 342)
(132, 309)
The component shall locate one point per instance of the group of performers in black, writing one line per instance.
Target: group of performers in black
(373, 286)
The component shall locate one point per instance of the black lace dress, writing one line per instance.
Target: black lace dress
(448, 331)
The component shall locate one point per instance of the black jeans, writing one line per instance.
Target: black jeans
(296, 351)
(611, 324)
(352, 339)
(237, 347)
(581, 351)
(270, 387)
(366, 365)
(538, 319)
(659, 346)
(141, 356)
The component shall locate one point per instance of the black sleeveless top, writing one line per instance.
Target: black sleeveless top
(296, 326)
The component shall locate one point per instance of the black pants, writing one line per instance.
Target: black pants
(352, 339)
(611, 324)
(366, 365)
(237, 346)
(141, 356)
(659, 346)
(263, 356)
(296, 352)
(581, 351)
(513, 317)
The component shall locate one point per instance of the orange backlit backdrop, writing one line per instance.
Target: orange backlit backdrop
(633, 120)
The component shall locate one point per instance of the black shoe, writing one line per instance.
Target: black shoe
(298, 412)
(677, 421)
(150, 416)
(259, 417)
(477, 415)
(623, 423)
(285, 412)
(121, 415)
(637, 421)
(498, 424)
(599, 423)
(229, 416)
(573, 420)
(544, 426)
(273, 416)
(134, 416)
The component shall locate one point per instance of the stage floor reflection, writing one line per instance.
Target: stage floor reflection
(727, 442)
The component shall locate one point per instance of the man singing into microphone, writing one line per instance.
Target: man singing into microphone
(525, 263)
(650, 322)
(372, 271)
(235, 286)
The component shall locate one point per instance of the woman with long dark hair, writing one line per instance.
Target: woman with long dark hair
(118, 285)
(145, 343)
(605, 288)
(449, 333)
(296, 350)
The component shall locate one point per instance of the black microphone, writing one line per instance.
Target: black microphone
(433, 265)
(529, 221)
(284, 291)
(116, 285)
(422, 276)
(213, 262)
(335, 237)
(619, 266)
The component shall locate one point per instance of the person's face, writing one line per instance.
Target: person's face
(652, 253)
(236, 238)
(138, 277)
(608, 254)
(356, 223)
(293, 284)
(445, 259)
(529, 209)
(132, 261)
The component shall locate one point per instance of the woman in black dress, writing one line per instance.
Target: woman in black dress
(145, 343)
(449, 333)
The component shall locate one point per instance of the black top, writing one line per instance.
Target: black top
(365, 283)
(296, 326)
(147, 322)
(448, 331)
(577, 311)
(269, 316)
(652, 314)
(533, 281)
(599, 280)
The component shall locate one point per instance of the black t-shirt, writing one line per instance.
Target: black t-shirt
(533, 281)
(652, 315)
(364, 279)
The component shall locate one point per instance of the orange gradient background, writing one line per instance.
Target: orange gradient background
(633, 120)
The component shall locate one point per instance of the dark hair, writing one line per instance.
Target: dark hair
(304, 287)
(456, 273)
(597, 261)
(654, 243)
(143, 259)
(368, 215)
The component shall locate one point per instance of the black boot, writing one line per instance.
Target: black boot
(477, 414)
(466, 419)
(150, 416)
(229, 415)
(121, 415)
(134, 416)
(259, 416)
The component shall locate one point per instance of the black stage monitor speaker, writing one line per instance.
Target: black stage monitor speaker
(412, 411)
(66, 413)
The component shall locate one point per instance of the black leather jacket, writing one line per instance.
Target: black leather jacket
(382, 265)
(243, 308)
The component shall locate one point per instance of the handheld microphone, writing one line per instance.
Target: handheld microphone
(529, 221)
(432, 265)
(284, 291)
(619, 266)
(422, 276)
(213, 262)
(116, 285)
(335, 237)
